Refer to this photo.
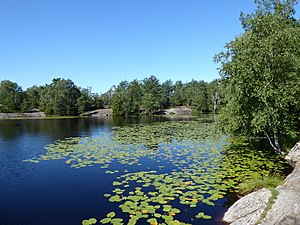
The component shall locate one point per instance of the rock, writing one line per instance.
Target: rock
(292, 182)
(179, 111)
(286, 209)
(248, 210)
(294, 155)
(98, 113)
(22, 115)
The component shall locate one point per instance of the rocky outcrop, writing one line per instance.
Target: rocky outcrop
(294, 155)
(22, 115)
(179, 111)
(284, 211)
(248, 210)
(98, 113)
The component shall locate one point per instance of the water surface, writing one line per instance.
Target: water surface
(55, 192)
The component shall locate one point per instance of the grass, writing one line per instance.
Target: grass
(256, 183)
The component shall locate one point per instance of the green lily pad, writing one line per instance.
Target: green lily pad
(105, 220)
(111, 215)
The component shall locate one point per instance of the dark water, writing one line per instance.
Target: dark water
(51, 192)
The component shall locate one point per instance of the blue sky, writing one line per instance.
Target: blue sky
(98, 43)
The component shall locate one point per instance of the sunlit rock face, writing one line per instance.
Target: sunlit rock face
(286, 209)
(294, 155)
(248, 209)
(179, 111)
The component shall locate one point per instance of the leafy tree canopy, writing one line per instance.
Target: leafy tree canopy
(10, 96)
(60, 97)
(260, 71)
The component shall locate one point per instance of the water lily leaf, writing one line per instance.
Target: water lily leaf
(111, 215)
(207, 217)
(105, 220)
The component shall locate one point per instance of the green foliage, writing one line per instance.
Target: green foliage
(149, 103)
(31, 98)
(85, 101)
(63, 98)
(88, 101)
(149, 96)
(177, 96)
(200, 99)
(118, 100)
(125, 99)
(166, 92)
(133, 96)
(151, 91)
(60, 98)
(11, 96)
(260, 72)
(258, 182)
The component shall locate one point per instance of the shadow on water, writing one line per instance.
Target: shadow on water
(61, 128)
(245, 158)
(55, 128)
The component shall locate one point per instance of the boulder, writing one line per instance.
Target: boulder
(179, 111)
(22, 115)
(286, 209)
(292, 182)
(248, 210)
(294, 155)
(98, 113)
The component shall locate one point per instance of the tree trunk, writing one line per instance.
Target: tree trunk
(215, 102)
(275, 144)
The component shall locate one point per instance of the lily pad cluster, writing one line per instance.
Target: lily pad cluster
(204, 168)
(86, 151)
(152, 135)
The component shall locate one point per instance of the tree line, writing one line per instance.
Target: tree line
(149, 96)
(63, 98)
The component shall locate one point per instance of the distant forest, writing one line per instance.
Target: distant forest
(64, 98)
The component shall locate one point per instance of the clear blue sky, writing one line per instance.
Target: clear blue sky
(98, 43)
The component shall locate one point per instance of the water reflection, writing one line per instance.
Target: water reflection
(61, 128)
(56, 128)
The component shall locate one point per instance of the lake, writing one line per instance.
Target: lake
(122, 171)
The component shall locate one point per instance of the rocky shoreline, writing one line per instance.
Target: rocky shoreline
(178, 111)
(98, 113)
(286, 208)
(22, 115)
(95, 113)
(182, 110)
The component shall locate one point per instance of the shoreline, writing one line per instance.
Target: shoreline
(35, 115)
